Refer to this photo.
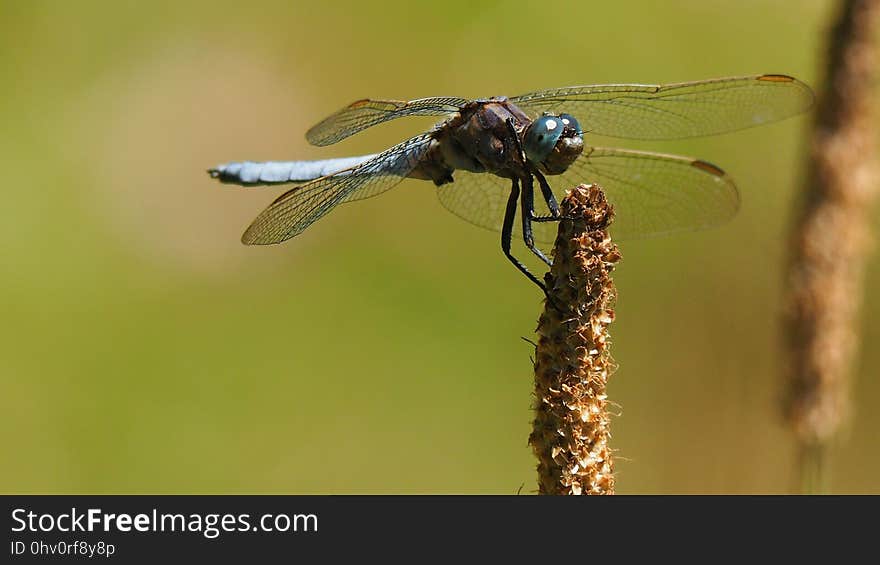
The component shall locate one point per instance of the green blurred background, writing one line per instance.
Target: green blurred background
(145, 350)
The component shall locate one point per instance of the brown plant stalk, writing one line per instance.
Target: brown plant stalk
(830, 239)
(572, 361)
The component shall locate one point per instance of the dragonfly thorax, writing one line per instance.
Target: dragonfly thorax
(486, 137)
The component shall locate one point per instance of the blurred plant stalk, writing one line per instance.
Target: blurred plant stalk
(572, 360)
(830, 241)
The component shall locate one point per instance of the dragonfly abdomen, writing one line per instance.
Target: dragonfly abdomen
(250, 173)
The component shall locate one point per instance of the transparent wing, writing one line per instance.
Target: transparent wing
(686, 109)
(365, 113)
(299, 207)
(478, 198)
(652, 193)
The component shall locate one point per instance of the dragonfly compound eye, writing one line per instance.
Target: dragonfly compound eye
(571, 124)
(541, 137)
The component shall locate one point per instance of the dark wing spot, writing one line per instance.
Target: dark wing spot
(776, 78)
(708, 167)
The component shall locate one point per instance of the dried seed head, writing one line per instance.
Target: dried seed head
(571, 427)
(831, 237)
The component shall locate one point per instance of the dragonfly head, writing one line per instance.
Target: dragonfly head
(553, 142)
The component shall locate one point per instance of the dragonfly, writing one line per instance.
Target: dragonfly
(490, 157)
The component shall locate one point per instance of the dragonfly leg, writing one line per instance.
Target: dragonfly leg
(528, 213)
(528, 198)
(549, 198)
(507, 234)
(511, 128)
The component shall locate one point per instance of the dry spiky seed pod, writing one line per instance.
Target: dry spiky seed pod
(572, 361)
(831, 238)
